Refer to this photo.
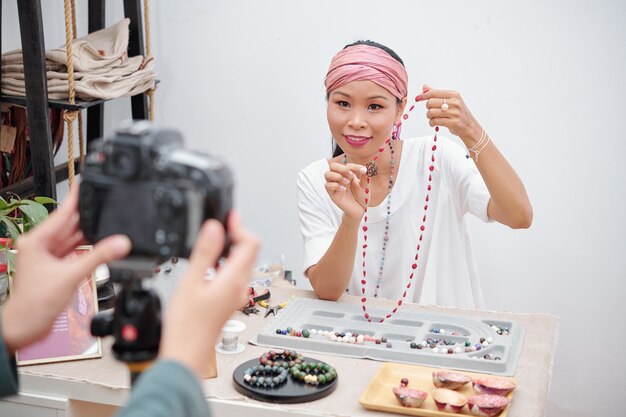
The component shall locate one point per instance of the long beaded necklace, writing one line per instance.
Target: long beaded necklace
(388, 215)
(422, 228)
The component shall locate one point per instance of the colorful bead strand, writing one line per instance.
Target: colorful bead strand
(422, 228)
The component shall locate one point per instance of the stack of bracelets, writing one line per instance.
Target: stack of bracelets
(314, 373)
(265, 376)
(275, 366)
(285, 358)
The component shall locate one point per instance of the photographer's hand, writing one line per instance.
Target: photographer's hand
(48, 272)
(199, 308)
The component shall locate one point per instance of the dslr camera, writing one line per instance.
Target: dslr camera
(142, 183)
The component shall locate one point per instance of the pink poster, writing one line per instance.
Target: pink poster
(70, 337)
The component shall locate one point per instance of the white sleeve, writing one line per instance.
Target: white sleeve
(465, 182)
(316, 220)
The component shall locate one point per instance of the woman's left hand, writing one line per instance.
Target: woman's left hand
(47, 273)
(454, 114)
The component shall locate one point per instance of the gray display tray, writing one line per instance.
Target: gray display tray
(401, 329)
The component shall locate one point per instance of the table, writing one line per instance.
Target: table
(97, 387)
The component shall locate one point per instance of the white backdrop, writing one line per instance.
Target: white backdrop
(244, 79)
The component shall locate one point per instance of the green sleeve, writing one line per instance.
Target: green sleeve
(167, 389)
(8, 370)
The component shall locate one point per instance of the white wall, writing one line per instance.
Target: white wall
(244, 79)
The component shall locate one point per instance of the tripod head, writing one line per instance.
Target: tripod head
(136, 321)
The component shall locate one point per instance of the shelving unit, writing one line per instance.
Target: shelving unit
(45, 173)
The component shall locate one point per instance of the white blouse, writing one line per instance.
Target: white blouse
(446, 272)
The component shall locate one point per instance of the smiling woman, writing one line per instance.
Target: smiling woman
(385, 217)
(359, 116)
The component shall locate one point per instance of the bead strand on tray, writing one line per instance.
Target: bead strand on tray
(432, 344)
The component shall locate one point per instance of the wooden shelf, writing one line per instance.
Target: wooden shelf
(26, 187)
(58, 104)
(45, 174)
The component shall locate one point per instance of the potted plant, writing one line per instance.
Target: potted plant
(17, 216)
(20, 215)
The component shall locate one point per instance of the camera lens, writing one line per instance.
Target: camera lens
(123, 163)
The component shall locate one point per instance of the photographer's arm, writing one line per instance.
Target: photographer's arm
(8, 371)
(193, 322)
(45, 279)
(168, 389)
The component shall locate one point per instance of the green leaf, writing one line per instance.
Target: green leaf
(34, 213)
(14, 231)
(3, 203)
(13, 205)
(45, 200)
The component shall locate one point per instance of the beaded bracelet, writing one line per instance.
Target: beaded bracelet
(314, 373)
(284, 358)
(265, 375)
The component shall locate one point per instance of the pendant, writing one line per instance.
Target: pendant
(372, 169)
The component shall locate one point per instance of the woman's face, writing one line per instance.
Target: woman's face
(361, 115)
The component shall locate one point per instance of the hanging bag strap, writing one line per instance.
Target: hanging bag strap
(70, 115)
(81, 138)
(146, 18)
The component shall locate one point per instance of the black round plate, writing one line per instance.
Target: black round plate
(290, 392)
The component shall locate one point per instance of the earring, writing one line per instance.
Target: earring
(395, 133)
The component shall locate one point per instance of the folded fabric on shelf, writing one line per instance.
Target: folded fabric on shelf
(102, 70)
(102, 48)
(19, 68)
(131, 65)
(93, 86)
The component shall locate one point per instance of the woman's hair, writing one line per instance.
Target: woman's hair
(377, 45)
(336, 149)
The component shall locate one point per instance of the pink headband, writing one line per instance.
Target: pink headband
(364, 62)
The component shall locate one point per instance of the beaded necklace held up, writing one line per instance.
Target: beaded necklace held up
(371, 167)
(422, 228)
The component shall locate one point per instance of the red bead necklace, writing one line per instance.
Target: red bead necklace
(422, 227)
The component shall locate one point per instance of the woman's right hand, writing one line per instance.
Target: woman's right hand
(345, 184)
(199, 308)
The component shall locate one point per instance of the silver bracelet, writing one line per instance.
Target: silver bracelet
(479, 146)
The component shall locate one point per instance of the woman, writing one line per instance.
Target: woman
(384, 218)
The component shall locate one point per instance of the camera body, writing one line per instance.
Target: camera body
(142, 183)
